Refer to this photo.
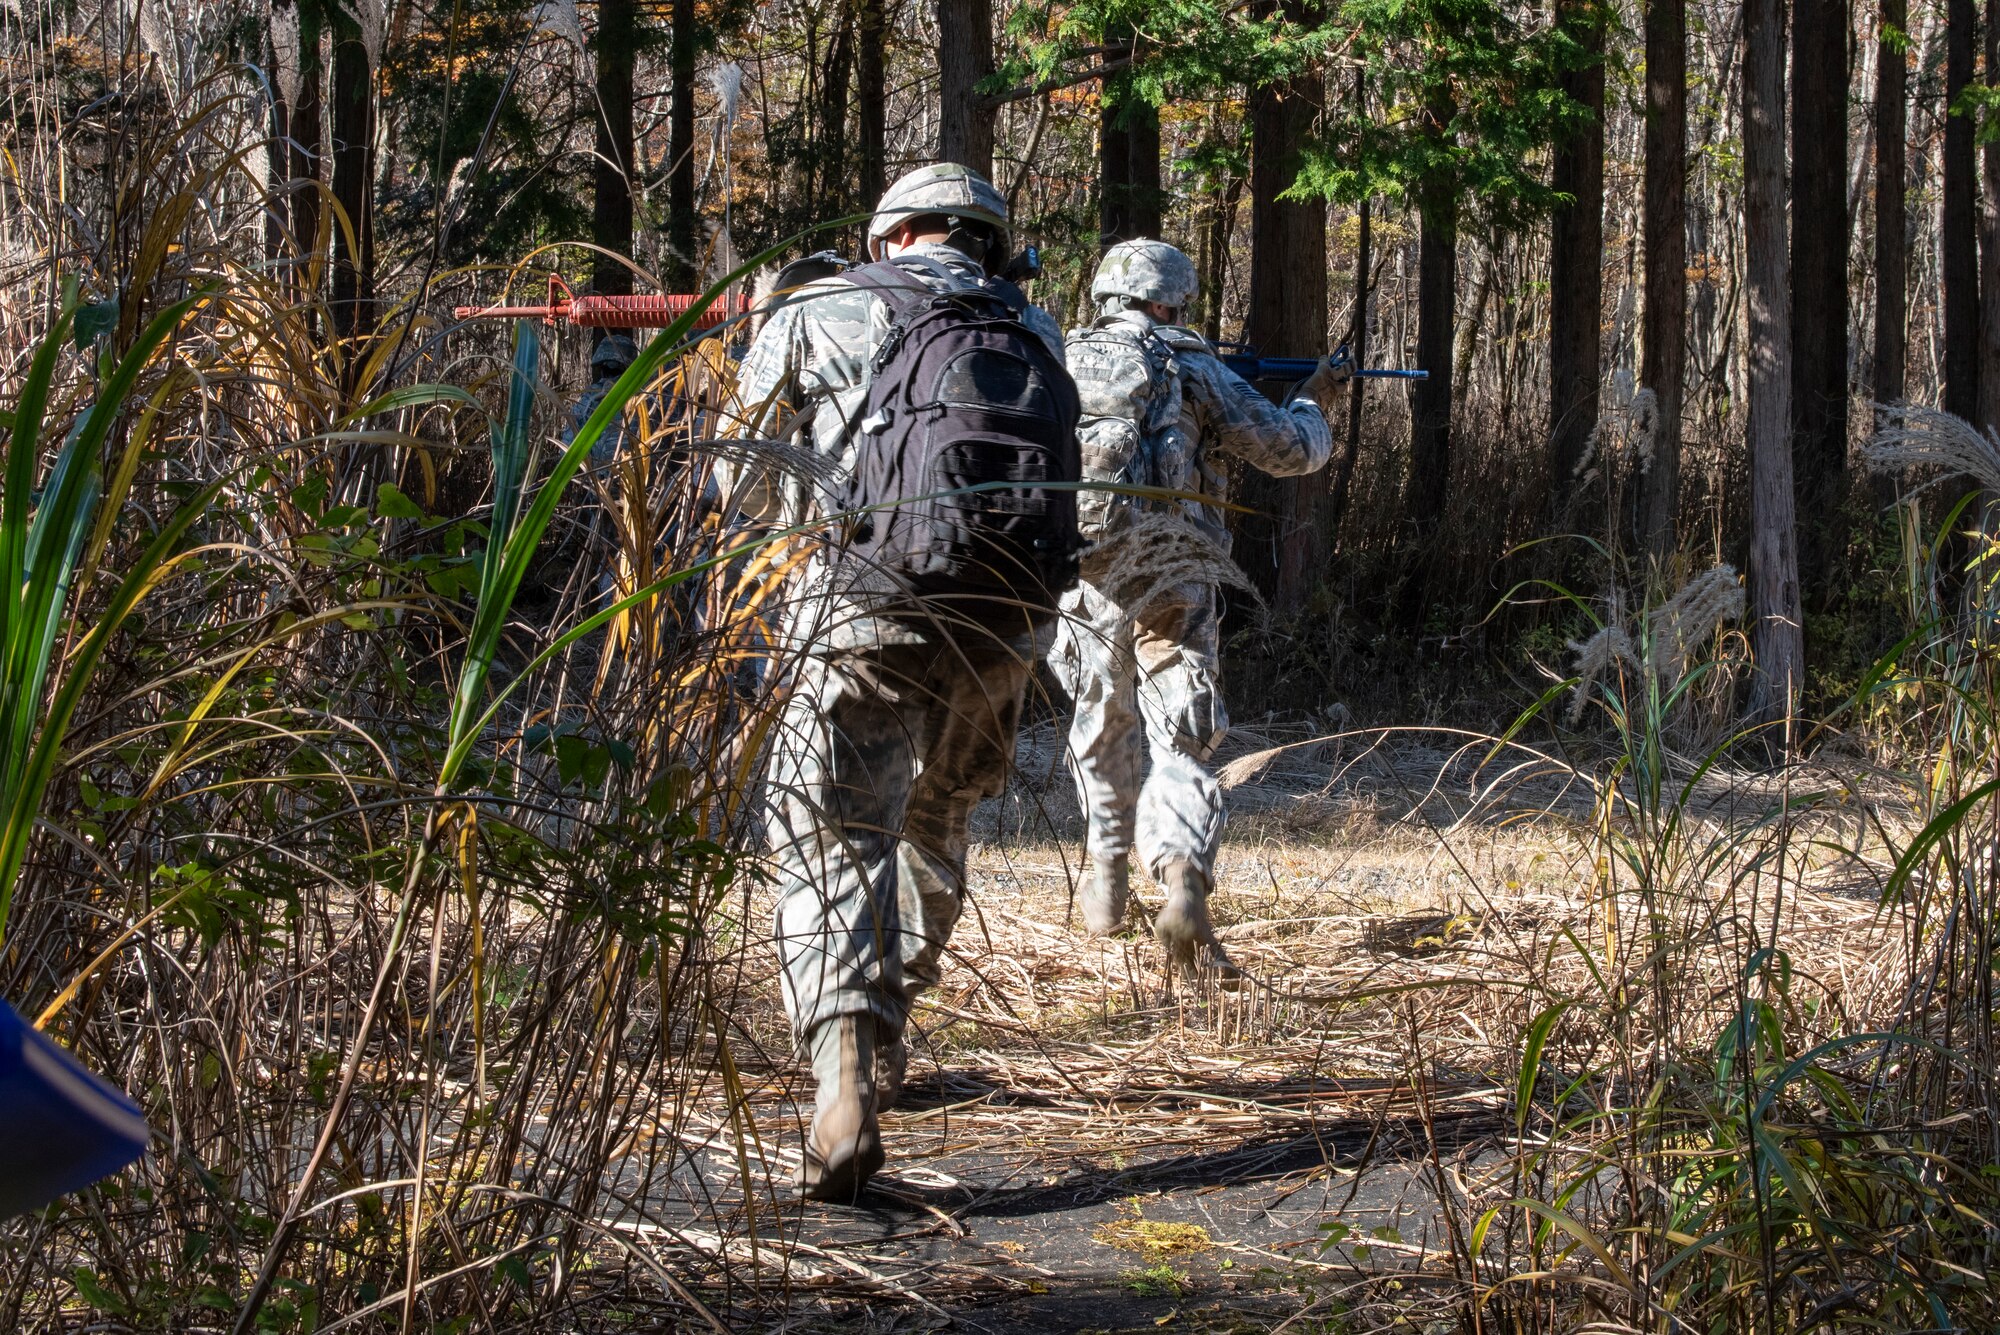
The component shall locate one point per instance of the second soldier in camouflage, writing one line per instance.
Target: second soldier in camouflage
(1160, 411)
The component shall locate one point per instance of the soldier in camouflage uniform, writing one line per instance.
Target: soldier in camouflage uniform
(608, 360)
(893, 731)
(1159, 409)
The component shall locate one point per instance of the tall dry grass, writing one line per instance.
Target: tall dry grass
(391, 848)
(1714, 1126)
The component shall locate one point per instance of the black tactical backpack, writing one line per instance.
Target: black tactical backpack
(969, 417)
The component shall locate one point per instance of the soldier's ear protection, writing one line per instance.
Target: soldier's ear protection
(977, 241)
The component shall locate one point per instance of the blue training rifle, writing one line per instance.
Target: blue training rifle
(1247, 362)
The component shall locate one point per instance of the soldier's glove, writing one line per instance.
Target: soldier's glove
(1328, 381)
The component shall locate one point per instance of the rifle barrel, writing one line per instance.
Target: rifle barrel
(1252, 367)
(597, 312)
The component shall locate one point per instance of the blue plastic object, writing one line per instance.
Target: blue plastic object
(1245, 360)
(61, 1127)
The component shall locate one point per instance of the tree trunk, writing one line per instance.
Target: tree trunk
(611, 202)
(1114, 174)
(965, 59)
(1576, 265)
(871, 101)
(1958, 240)
(1130, 202)
(1217, 235)
(683, 262)
(831, 160)
(1430, 403)
(1777, 636)
(1357, 348)
(306, 169)
(1283, 547)
(1989, 248)
(1892, 253)
(277, 169)
(353, 175)
(1663, 362)
(278, 152)
(1437, 309)
(1819, 286)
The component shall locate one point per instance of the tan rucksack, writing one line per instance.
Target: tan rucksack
(1129, 387)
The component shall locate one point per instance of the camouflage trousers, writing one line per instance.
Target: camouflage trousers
(884, 754)
(1147, 689)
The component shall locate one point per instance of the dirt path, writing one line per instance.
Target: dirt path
(1087, 1144)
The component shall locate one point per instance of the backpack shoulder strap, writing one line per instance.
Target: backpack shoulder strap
(1182, 339)
(892, 282)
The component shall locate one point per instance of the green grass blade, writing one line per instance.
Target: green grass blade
(25, 442)
(63, 499)
(25, 801)
(510, 462)
(70, 523)
(413, 396)
(1940, 826)
(1531, 1064)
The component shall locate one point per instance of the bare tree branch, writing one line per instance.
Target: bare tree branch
(1021, 92)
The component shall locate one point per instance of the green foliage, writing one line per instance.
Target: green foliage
(1464, 97)
(1185, 47)
(1980, 102)
(1159, 1280)
(1468, 100)
(43, 532)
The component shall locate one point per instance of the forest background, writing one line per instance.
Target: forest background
(1550, 210)
(378, 754)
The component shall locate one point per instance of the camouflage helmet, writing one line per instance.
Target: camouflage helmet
(943, 187)
(614, 352)
(1146, 271)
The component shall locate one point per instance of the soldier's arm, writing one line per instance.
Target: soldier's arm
(1236, 419)
(763, 406)
(767, 389)
(1050, 332)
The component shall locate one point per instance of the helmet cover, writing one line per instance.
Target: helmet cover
(1146, 271)
(944, 188)
(614, 352)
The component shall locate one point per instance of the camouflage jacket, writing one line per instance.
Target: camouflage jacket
(804, 381)
(1194, 410)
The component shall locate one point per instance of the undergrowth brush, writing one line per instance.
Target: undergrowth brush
(397, 853)
(388, 867)
(1715, 1126)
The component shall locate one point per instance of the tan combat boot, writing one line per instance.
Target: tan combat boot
(844, 1147)
(1105, 897)
(1183, 925)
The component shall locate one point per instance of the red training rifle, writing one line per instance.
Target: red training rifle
(595, 312)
